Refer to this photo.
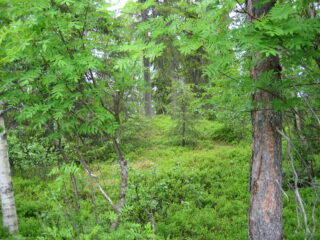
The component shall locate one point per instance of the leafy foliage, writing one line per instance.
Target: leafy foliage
(71, 75)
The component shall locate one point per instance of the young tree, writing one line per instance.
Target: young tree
(184, 130)
(64, 74)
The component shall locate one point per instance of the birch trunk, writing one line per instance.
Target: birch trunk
(9, 214)
(265, 214)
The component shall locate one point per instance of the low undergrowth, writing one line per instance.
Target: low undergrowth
(197, 192)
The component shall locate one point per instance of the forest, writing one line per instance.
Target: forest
(160, 119)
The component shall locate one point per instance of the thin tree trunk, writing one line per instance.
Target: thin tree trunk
(72, 179)
(122, 162)
(147, 79)
(91, 183)
(153, 223)
(146, 72)
(312, 12)
(124, 183)
(9, 214)
(75, 191)
(265, 214)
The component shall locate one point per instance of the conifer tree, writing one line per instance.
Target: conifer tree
(265, 214)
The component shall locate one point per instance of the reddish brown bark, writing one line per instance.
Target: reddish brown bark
(265, 215)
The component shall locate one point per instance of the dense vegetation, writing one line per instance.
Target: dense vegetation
(198, 192)
(138, 123)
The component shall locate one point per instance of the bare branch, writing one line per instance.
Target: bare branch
(284, 193)
(3, 111)
(309, 106)
(91, 175)
(296, 188)
(245, 11)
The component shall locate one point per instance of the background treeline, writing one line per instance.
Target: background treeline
(135, 123)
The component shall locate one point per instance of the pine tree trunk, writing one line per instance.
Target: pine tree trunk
(146, 72)
(9, 214)
(265, 214)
